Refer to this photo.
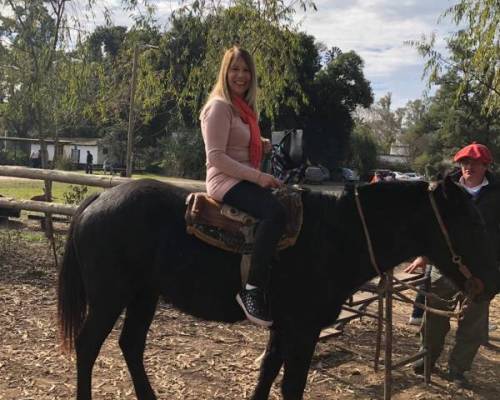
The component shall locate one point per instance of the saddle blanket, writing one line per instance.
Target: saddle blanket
(230, 229)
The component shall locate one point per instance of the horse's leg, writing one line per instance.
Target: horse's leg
(298, 347)
(271, 364)
(96, 328)
(140, 313)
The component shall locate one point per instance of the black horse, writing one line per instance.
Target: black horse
(128, 246)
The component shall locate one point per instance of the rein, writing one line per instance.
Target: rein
(456, 259)
(367, 233)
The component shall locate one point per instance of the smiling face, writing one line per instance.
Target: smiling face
(473, 171)
(239, 77)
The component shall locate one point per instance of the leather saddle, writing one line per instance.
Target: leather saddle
(230, 229)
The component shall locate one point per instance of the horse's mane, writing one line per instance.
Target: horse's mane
(392, 195)
(320, 203)
(324, 204)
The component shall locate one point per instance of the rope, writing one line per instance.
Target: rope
(429, 295)
(452, 314)
(367, 233)
(456, 259)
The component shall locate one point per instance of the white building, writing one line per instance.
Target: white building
(74, 149)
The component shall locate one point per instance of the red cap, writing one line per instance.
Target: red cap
(475, 151)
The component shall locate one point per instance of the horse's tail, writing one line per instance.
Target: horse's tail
(71, 296)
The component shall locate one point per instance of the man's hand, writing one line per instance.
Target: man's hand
(418, 265)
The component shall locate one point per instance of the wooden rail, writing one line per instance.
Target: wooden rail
(105, 181)
(41, 206)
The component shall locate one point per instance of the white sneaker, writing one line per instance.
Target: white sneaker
(415, 321)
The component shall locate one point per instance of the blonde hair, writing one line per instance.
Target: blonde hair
(221, 87)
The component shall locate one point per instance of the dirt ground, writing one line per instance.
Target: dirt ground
(192, 359)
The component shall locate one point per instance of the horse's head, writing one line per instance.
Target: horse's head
(460, 246)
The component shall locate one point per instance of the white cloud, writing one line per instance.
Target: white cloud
(377, 31)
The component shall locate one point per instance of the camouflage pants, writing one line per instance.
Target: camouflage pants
(472, 330)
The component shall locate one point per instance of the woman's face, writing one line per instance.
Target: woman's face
(239, 77)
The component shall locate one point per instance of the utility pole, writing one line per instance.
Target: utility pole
(130, 133)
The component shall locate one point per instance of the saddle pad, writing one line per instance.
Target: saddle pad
(230, 229)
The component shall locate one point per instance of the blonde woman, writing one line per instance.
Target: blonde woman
(234, 148)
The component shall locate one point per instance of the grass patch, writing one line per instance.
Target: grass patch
(25, 189)
(32, 237)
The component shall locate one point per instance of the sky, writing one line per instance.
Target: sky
(375, 29)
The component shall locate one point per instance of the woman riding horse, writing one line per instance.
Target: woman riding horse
(234, 150)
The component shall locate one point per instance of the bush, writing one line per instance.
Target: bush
(363, 151)
(75, 194)
(184, 155)
(11, 157)
(65, 164)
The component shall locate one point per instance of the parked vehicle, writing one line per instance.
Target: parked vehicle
(345, 175)
(349, 175)
(316, 174)
(400, 176)
(413, 176)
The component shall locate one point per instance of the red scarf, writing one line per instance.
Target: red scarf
(249, 117)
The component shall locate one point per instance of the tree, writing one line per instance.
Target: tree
(362, 153)
(193, 48)
(34, 32)
(445, 125)
(337, 90)
(307, 63)
(265, 29)
(381, 123)
(474, 48)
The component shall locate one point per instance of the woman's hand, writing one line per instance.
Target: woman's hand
(418, 263)
(269, 181)
(266, 145)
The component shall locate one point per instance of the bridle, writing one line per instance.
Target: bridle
(473, 285)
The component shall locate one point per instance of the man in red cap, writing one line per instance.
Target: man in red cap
(472, 330)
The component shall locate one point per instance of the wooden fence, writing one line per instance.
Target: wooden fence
(104, 181)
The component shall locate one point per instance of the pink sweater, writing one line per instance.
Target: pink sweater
(227, 141)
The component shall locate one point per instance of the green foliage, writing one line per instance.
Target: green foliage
(335, 93)
(183, 155)
(447, 125)
(13, 157)
(363, 150)
(384, 123)
(33, 33)
(263, 29)
(115, 141)
(75, 194)
(64, 163)
(474, 49)
(85, 90)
